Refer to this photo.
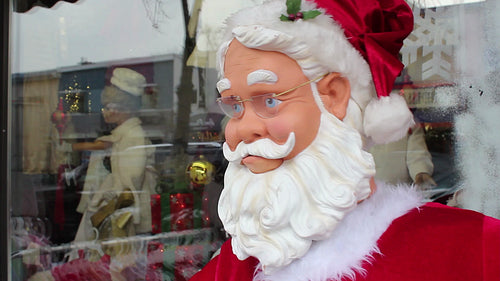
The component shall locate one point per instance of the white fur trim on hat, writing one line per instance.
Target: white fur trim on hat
(129, 81)
(387, 119)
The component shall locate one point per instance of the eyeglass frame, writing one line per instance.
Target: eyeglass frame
(112, 107)
(271, 95)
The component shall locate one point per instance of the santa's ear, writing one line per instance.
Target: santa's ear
(335, 91)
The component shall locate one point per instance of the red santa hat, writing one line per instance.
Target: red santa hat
(359, 38)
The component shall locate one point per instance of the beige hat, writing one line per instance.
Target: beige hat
(129, 81)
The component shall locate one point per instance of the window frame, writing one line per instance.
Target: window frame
(4, 144)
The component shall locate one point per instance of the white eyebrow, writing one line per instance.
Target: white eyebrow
(262, 76)
(223, 84)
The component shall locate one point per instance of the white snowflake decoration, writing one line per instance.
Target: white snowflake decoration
(434, 33)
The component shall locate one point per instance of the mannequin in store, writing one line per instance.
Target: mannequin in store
(116, 198)
(405, 161)
(307, 95)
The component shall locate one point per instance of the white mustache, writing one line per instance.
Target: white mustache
(264, 148)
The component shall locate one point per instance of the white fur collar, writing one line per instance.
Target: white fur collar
(354, 240)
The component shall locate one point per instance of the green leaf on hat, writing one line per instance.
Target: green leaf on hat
(292, 6)
(311, 14)
(284, 18)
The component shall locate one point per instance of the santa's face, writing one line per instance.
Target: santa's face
(276, 216)
(250, 72)
(294, 172)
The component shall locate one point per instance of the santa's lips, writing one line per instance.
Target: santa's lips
(250, 158)
(258, 164)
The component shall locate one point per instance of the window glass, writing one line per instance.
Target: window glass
(116, 159)
(450, 84)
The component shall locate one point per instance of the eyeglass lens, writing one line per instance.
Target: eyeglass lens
(265, 106)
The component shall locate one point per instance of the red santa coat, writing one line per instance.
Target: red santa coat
(431, 242)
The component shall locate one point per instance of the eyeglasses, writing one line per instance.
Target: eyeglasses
(265, 106)
(111, 107)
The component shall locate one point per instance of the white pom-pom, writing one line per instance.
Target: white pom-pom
(387, 119)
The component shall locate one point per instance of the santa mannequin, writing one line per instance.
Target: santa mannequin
(306, 86)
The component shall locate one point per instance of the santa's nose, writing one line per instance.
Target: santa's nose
(251, 127)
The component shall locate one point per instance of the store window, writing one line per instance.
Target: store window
(117, 162)
(115, 153)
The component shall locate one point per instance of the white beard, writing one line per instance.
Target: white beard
(275, 216)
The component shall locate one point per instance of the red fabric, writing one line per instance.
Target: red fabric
(491, 249)
(227, 267)
(437, 242)
(434, 242)
(377, 30)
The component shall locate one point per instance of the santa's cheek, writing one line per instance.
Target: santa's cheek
(279, 129)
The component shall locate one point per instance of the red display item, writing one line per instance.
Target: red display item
(181, 211)
(205, 210)
(81, 269)
(59, 118)
(156, 213)
(155, 261)
(59, 215)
